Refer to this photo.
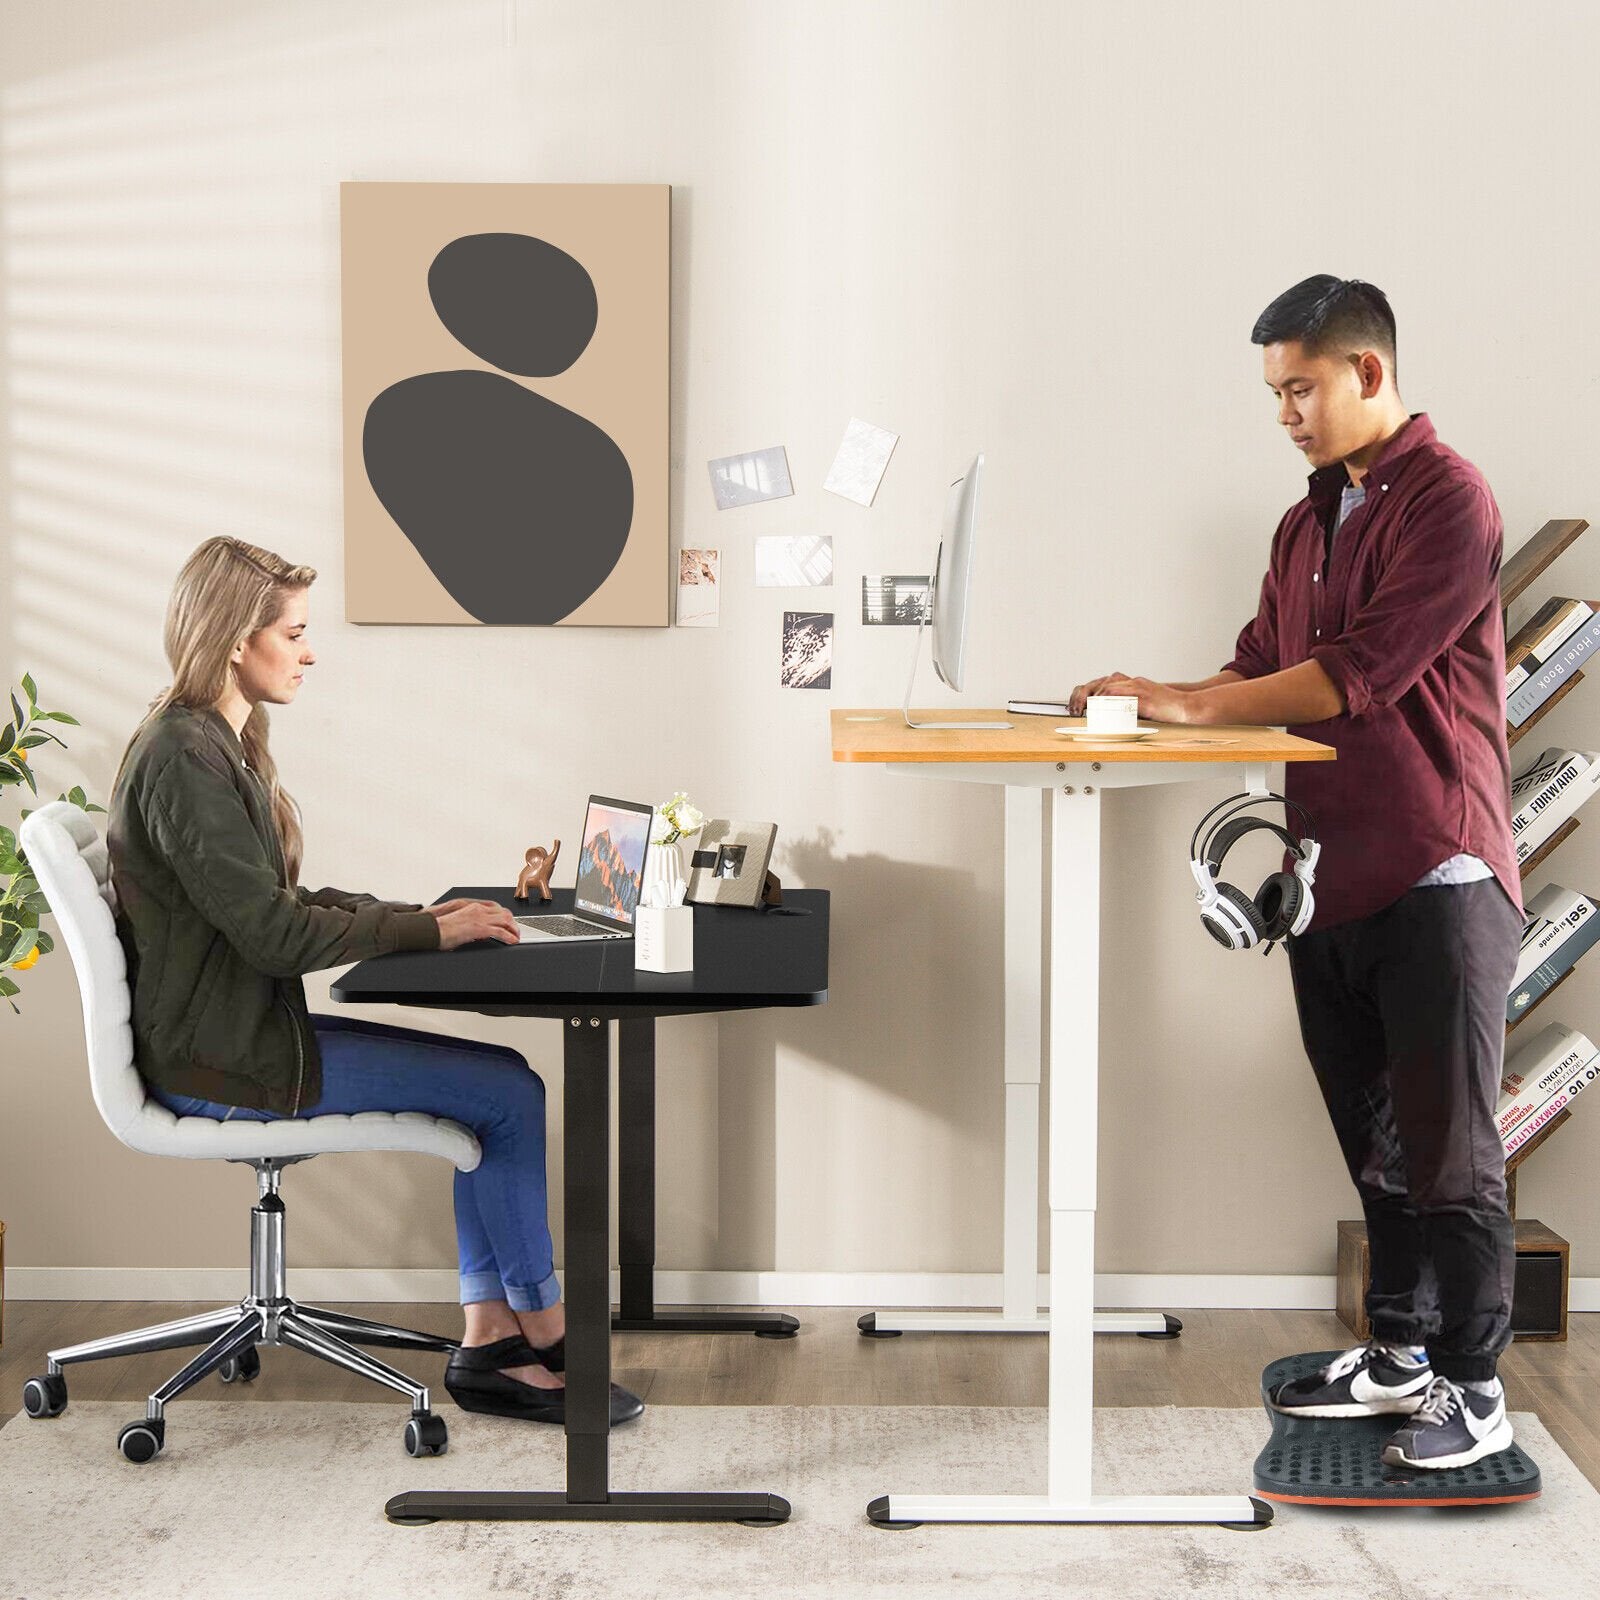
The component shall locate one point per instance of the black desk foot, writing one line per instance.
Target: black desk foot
(870, 1330)
(766, 1325)
(1173, 1328)
(418, 1506)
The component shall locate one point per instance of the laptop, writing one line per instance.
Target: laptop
(616, 836)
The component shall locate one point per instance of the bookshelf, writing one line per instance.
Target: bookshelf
(1539, 1307)
(1516, 575)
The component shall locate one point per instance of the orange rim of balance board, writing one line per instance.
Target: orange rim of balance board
(1462, 1500)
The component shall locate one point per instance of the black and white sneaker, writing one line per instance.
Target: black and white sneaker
(1453, 1427)
(1371, 1380)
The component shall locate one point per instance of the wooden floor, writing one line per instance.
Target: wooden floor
(1216, 1362)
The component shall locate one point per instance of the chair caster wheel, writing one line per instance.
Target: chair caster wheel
(46, 1396)
(243, 1368)
(869, 1329)
(142, 1441)
(427, 1435)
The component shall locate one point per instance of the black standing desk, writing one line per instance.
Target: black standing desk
(744, 960)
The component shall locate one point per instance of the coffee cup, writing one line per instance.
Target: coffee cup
(1111, 713)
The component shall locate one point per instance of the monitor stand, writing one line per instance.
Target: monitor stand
(911, 684)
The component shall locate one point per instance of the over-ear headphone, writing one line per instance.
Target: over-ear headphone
(1283, 905)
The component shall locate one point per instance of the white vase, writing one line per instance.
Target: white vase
(664, 881)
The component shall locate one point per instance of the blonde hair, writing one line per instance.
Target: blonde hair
(227, 591)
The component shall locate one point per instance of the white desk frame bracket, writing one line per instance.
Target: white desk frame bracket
(1074, 1049)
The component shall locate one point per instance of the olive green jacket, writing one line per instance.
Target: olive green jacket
(215, 935)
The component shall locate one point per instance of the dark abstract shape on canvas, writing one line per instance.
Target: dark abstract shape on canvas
(517, 302)
(520, 508)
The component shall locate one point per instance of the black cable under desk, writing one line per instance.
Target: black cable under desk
(744, 960)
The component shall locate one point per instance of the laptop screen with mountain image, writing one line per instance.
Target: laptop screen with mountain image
(616, 838)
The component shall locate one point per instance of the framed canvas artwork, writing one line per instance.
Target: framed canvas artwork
(506, 403)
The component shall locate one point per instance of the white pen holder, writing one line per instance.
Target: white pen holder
(663, 939)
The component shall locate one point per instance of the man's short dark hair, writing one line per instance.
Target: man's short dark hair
(1330, 315)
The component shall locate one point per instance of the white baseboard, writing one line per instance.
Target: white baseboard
(896, 1290)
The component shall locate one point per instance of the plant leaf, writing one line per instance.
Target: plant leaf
(76, 795)
(29, 690)
(16, 707)
(31, 741)
(59, 716)
(27, 778)
(8, 737)
(46, 944)
(25, 942)
(8, 987)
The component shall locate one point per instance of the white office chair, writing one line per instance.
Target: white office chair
(71, 862)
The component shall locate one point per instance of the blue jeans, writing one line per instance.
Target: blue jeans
(502, 1226)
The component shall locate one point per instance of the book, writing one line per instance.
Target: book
(1542, 683)
(1553, 913)
(1537, 1071)
(1561, 926)
(1547, 792)
(1038, 708)
(1552, 1108)
(1554, 623)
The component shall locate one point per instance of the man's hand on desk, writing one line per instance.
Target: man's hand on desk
(466, 921)
(1295, 696)
(1158, 702)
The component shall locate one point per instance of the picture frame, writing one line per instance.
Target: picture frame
(729, 864)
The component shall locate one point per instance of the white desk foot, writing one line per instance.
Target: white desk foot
(890, 1324)
(1231, 1510)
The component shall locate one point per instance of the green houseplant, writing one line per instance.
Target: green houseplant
(22, 941)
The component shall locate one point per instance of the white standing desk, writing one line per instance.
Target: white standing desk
(1032, 762)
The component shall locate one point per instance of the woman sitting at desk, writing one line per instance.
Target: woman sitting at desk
(205, 854)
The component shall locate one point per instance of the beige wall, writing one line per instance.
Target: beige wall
(1042, 229)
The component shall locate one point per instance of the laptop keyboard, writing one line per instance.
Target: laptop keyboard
(567, 927)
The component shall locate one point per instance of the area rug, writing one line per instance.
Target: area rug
(273, 1499)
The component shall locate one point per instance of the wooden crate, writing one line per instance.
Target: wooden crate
(1539, 1303)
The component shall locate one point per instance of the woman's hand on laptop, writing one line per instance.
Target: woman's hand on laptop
(466, 921)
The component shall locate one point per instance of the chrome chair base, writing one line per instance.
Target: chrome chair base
(266, 1316)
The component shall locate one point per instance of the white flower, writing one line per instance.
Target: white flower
(674, 818)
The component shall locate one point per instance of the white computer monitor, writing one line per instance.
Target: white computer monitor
(952, 585)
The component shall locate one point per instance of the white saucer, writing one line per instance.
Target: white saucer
(1122, 736)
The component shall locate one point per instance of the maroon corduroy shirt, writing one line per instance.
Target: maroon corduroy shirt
(1406, 621)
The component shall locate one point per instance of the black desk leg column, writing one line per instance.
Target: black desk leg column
(586, 1255)
(636, 1170)
(636, 1201)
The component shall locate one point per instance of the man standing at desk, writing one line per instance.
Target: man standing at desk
(1379, 632)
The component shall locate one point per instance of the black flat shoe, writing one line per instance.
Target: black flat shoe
(475, 1381)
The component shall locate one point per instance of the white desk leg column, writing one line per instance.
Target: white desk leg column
(1024, 1041)
(1024, 1057)
(1074, 1121)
